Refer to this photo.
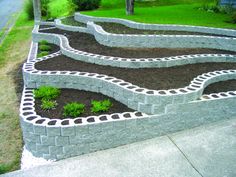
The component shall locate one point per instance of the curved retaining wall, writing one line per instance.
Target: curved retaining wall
(67, 50)
(59, 139)
(141, 99)
(62, 26)
(219, 31)
(160, 41)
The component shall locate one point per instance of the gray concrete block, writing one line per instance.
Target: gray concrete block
(53, 131)
(62, 140)
(48, 140)
(68, 131)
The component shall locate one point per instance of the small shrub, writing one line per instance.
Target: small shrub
(48, 104)
(86, 4)
(42, 54)
(100, 106)
(234, 17)
(46, 93)
(29, 9)
(45, 48)
(227, 9)
(215, 9)
(60, 8)
(43, 42)
(44, 8)
(73, 109)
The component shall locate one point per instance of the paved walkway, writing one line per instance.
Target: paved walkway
(208, 151)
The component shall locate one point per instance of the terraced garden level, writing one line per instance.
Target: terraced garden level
(151, 78)
(122, 29)
(87, 43)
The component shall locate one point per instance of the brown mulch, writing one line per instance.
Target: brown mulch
(152, 78)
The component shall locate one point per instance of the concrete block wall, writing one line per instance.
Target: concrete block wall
(58, 139)
(161, 41)
(62, 26)
(172, 110)
(219, 31)
(67, 50)
(135, 97)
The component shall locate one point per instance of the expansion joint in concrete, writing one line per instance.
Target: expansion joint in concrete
(185, 156)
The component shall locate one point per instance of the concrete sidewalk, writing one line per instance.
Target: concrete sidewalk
(208, 151)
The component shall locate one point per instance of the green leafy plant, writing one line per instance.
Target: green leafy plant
(48, 104)
(45, 48)
(46, 93)
(60, 8)
(43, 42)
(234, 17)
(44, 8)
(86, 4)
(29, 9)
(100, 106)
(42, 54)
(73, 109)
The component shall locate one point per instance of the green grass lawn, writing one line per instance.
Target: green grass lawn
(13, 51)
(165, 12)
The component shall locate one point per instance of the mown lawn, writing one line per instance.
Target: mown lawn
(185, 12)
(13, 51)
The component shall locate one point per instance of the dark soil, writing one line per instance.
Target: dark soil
(18, 80)
(223, 86)
(87, 43)
(151, 78)
(72, 95)
(122, 29)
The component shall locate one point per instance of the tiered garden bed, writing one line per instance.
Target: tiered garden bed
(166, 85)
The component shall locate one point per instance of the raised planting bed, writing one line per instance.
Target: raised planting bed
(84, 97)
(162, 41)
(58, 139)
(153, 27)
(151, 78)
(122, 29)
(87, 43)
